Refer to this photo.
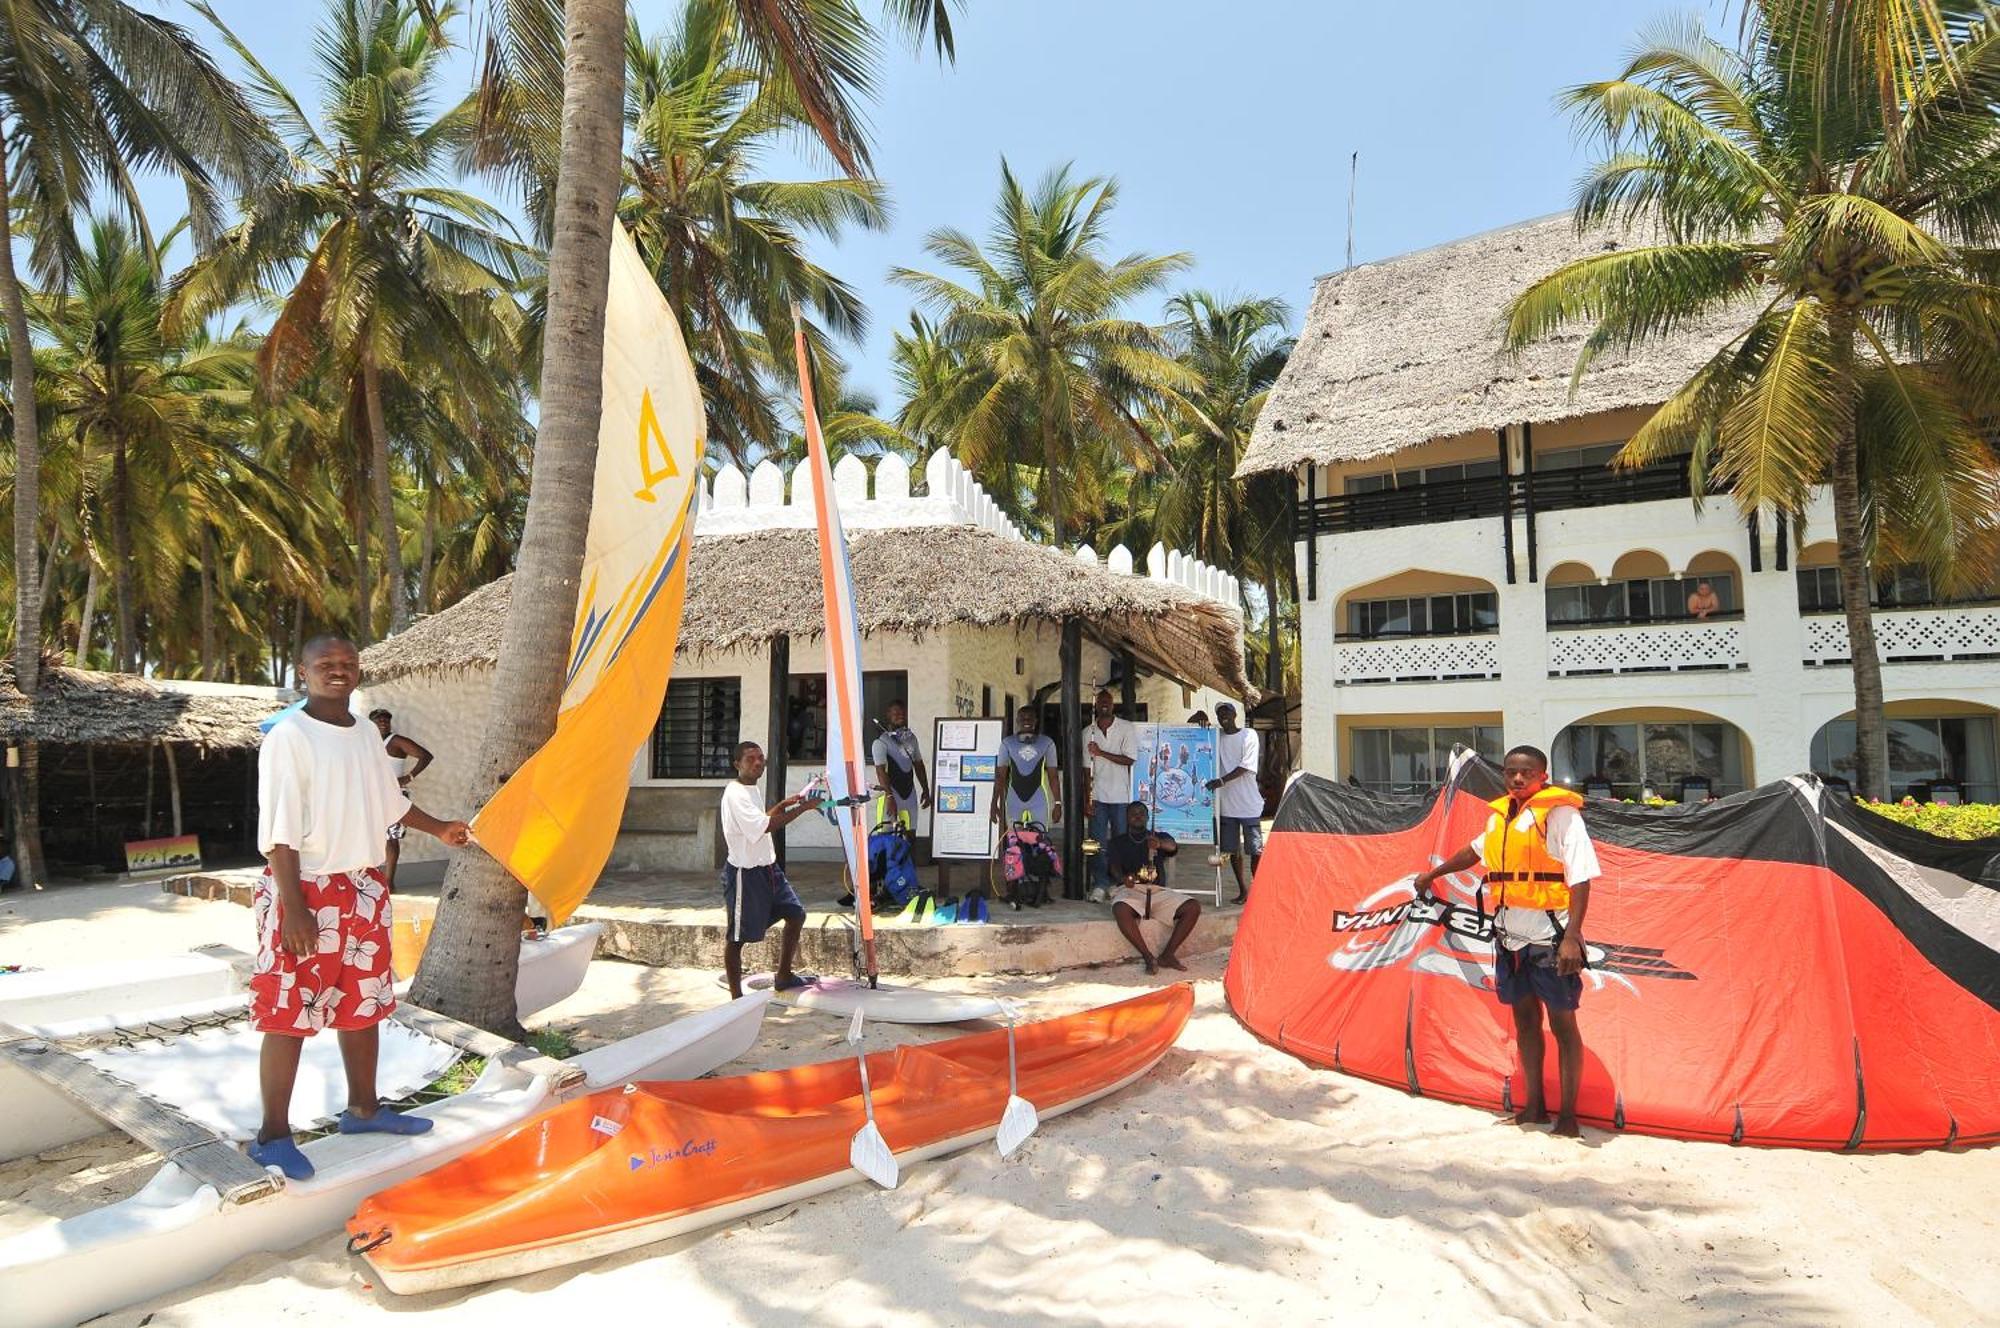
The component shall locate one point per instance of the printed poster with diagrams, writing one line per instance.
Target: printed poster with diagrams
(1171, 776)
(965, 776)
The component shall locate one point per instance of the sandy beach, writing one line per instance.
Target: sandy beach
(1234, 1185)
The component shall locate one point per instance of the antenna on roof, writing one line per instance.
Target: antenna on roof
(1353, 169)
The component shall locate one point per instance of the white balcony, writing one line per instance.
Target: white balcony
(1647, 648)
(1910, 636)
(1417, 659)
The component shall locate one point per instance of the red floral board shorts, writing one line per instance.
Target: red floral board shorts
(346, 981)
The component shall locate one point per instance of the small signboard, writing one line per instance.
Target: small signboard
(964, 767)
(151, 855)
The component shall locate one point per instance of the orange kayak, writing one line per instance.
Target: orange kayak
(650, 1161)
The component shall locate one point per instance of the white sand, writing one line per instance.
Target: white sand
(1233, 1186)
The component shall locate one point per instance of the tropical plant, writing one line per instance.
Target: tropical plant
(385, 267)
(92, 92)
(1057, 371)
(1833, 185)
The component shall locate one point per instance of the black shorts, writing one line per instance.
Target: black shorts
(755, 897)
(1516, 977)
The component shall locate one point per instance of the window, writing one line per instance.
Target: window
(697, 732)
(1417, 478)
(805, 710)
(1955, 747)
(1425, 615)
(1597, 457)
(1409, 760)
(1635, 757)
(1819, 590)
(1655, 599)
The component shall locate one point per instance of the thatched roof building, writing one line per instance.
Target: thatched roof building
(80, 707)
(1407, 350)
(745, 589)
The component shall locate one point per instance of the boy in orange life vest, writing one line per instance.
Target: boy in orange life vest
(1539, 864)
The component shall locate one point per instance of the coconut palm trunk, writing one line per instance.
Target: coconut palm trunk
(83, 626)
(391, 579)
(468, 970)
(122, 590)
(1871, 731)
(27, 454)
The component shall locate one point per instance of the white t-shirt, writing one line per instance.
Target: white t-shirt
(1111, 782)
(746, 826)
(329, 792)
(1569, 844)
(1241, 798)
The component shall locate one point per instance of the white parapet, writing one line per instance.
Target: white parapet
(1119, 560)
(767, 485)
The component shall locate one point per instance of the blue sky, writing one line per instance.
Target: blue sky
(1227, 123)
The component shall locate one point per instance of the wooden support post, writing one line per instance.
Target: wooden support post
(1128, 685)
(173, 784)
(160, 1126)
(776, 732)
(147, 824)
(1072, 757)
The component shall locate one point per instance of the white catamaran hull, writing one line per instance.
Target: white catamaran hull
(98, 999)
(173, 1233)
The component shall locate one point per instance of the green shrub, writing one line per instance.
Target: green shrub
(1979, 820)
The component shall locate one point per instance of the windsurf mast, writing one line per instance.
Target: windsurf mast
(846, 755)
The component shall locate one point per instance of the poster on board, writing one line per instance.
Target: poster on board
(963, 759)
(1175, 763)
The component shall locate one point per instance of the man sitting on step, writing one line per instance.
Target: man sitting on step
(1136, 861)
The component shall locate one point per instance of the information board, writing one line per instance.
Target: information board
(1175, 763)
(963, 774)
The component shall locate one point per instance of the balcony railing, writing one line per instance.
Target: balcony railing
(1652, 648)
(1911, 636)
(1416, 658)
(1489, 496)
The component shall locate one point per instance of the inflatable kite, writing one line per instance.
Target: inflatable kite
(1778, 967)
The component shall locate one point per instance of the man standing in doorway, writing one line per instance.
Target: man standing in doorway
(899, 771)
(1239, 801)
(1111, 745)
(400, 748)
(1539, 863)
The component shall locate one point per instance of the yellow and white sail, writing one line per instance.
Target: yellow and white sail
(554, 822)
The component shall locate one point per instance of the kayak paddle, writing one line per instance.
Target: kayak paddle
(869, 1154)
(1018, 1121)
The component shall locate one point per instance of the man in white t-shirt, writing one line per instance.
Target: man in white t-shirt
(1111, 746)
(1239, 801)
(1539, 867)
(755, 892)
(327, 798)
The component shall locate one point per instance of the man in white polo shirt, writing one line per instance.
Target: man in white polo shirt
(1111, 746)
(755, 892)
(1238, 799)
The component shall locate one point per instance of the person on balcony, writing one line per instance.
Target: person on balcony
(1540, 862)
(1703, 601)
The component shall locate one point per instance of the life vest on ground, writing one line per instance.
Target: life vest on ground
(1519, 867)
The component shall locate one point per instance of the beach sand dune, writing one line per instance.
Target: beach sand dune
(1234, 1186)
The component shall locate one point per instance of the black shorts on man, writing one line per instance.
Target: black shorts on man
(1519, 974)
(756, 897)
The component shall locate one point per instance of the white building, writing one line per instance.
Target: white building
(1471, 572)
(961, 616)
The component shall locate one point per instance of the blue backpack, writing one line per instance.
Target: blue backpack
(890, 866)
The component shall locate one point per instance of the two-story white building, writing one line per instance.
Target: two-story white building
(1472, 572)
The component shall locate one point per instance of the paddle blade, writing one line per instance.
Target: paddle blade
(1016, 1124)
(869, 1154)
(854, 1027)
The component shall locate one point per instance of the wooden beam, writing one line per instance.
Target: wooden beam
(478, 1042)
(1072, 757)
(160, 1126)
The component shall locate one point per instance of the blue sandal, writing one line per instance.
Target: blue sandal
(283, 1154)
(384, 1121)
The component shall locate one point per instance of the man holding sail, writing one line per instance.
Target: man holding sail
(755, 892)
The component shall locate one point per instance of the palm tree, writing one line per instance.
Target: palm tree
(1848, 214)
(727, 247)
(1056, 368)
(91, 94)
(1235, 348)
(384, 264)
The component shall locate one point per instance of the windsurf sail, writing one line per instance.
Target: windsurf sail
(554, 821)
(846, 757)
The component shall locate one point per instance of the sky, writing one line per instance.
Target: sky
(1228, 125)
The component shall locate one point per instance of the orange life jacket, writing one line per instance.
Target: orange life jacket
(1518, 863)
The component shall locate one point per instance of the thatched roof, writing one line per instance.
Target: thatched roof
(746, 589)
(82, 707)
(1407, 350)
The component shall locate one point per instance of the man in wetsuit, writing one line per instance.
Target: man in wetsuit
(1030, 785)
(899, 771)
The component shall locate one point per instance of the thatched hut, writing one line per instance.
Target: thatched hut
(961, 618)
(127, 758)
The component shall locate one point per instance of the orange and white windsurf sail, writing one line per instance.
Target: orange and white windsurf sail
(847, 765)
(554, 822)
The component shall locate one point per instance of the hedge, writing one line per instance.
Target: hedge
(1979, 820)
